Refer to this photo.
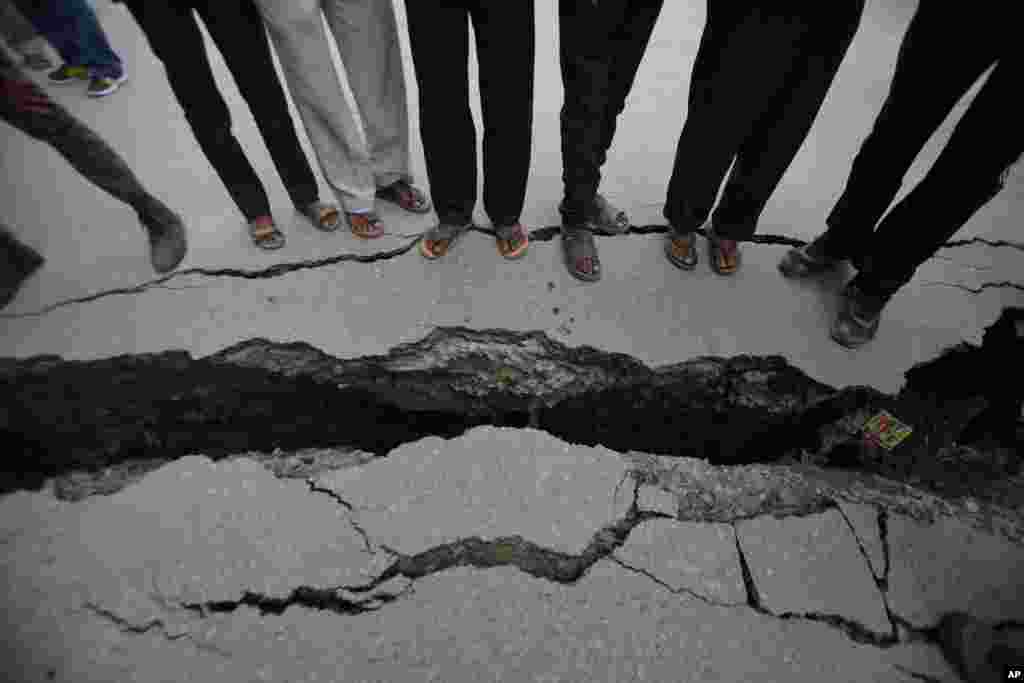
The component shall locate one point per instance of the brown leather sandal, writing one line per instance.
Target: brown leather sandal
(681, 250)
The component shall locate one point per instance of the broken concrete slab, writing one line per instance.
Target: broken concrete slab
(948, 566)
(698, 558)
(500, 624)
(812, 565)
(196, 531)
(488, 483)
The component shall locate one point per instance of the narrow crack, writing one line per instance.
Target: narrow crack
(1003, 284)
(154, 624)
(988, 243)
(276, 270)
(753, 596)
(879, 583)
(544, 234)
(315, 488)
(675, 591)
(883, 535)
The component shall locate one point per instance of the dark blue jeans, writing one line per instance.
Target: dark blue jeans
(75, 32)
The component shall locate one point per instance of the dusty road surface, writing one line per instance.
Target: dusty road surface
(340, 462)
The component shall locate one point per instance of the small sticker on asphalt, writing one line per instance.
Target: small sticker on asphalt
(886, 430)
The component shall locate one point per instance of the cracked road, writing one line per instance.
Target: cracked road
(339, 462)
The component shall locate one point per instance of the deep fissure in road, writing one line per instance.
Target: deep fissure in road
(60, 416)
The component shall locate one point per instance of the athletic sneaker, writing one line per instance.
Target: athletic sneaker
(68, 74)
(101, 86)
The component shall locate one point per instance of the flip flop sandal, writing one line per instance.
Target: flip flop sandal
(611, 220)
(580, 251)
(509, 236)
(367, 226)
(406, 196)
(266, 236)
(717, 255)
(685, 260)
(437, 241)
(325, 217)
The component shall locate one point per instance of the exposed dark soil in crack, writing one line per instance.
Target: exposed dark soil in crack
(58, 416)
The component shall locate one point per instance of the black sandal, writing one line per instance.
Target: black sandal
(579, 251)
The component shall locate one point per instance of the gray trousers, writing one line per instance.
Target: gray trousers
(19, 33)
(367, 36)
(86, 151)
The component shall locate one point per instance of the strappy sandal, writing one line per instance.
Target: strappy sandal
(265, 234)
(367, 225)
(437, 241)
(723, 262)
(681, 250)
(513, 241)
(325, 217)
(580, 253)
(406, 196)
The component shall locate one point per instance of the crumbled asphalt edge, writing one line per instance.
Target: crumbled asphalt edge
(544, 234)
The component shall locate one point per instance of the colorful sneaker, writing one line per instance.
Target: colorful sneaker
(858, 317)
(37, 61)
(101, 86)
(68, 74)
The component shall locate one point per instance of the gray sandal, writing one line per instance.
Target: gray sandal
(580, 251)
(443, 236)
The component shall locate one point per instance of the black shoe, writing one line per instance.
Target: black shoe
(809, 260)
(859, 316)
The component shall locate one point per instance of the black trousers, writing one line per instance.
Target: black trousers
(761, 74)
(602, 45)
(505, 40)
(930, 78)
(237, 28)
